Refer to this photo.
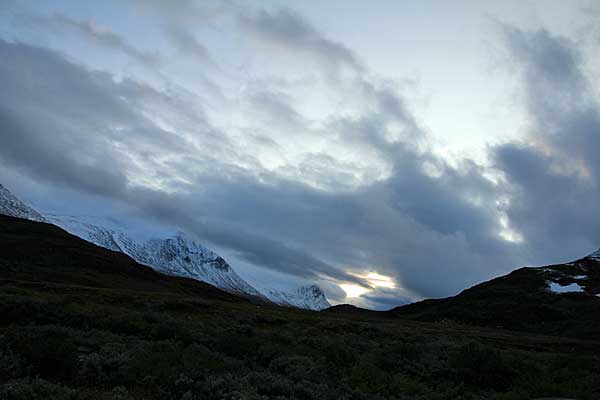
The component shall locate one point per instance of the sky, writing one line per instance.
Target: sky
(389, 152)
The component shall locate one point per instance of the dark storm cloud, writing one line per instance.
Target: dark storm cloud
(384, 299)
(40, 131)
(386, 226)
(434, 234)
(59, 131)
(554, 181)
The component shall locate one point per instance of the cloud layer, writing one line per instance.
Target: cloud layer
(315, 169)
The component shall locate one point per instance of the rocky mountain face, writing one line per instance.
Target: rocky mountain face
(12, 206)
(43, 255)
(562, 299)
(171, 253)
(175, 254)
(310, 297)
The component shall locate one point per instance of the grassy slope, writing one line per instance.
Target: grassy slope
(77, 321)
(521, 301)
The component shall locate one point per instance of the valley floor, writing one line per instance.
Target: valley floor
(77, 342)
(78, 321)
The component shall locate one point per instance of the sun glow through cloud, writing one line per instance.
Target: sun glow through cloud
(374, 280)
(352, 290)
(379, 280)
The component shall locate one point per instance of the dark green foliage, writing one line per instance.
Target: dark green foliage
(481, 366)
(47, 351)
(214, 354)
(36, 389)
(69, 341)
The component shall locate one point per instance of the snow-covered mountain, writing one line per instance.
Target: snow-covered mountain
(169, 252)
(310, 297)
(12, 206)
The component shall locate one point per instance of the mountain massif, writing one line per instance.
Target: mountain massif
(175, 254)
(172, 253)
(42, 253)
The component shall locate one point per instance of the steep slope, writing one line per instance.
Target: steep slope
(12, 206)
(172, 254)
(310, 297)
(167, 252)
(561, 299)
(42, 253)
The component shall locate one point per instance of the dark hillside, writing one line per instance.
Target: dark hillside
(81, 322)
(39, 252)
(523, 300)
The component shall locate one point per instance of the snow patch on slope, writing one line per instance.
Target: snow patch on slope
(558, 288)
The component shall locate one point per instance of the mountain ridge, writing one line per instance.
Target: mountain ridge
(168, 252)
(174, 255)
(10, 205)
(558, 299)
(309, 297)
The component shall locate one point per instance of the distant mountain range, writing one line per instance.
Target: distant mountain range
(169, 253)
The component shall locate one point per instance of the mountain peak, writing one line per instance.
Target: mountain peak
(10, 205)
(171, 254)
(166, 251)
(311, 289)
(308, 296)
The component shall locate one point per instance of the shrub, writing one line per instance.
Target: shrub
(49, 351)
(35, 389)
(481, 366)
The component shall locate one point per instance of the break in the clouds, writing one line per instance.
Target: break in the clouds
(278, 144)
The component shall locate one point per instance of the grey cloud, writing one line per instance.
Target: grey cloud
(553, 182)
(188, 11)
(385, 299)
(423, 231)
(44, 123)
(433, 233)
(368, 228)
(190, 45)
(289, 32)
(276, 109)
(106, 37)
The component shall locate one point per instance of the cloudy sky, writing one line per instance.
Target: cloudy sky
(388, 151)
